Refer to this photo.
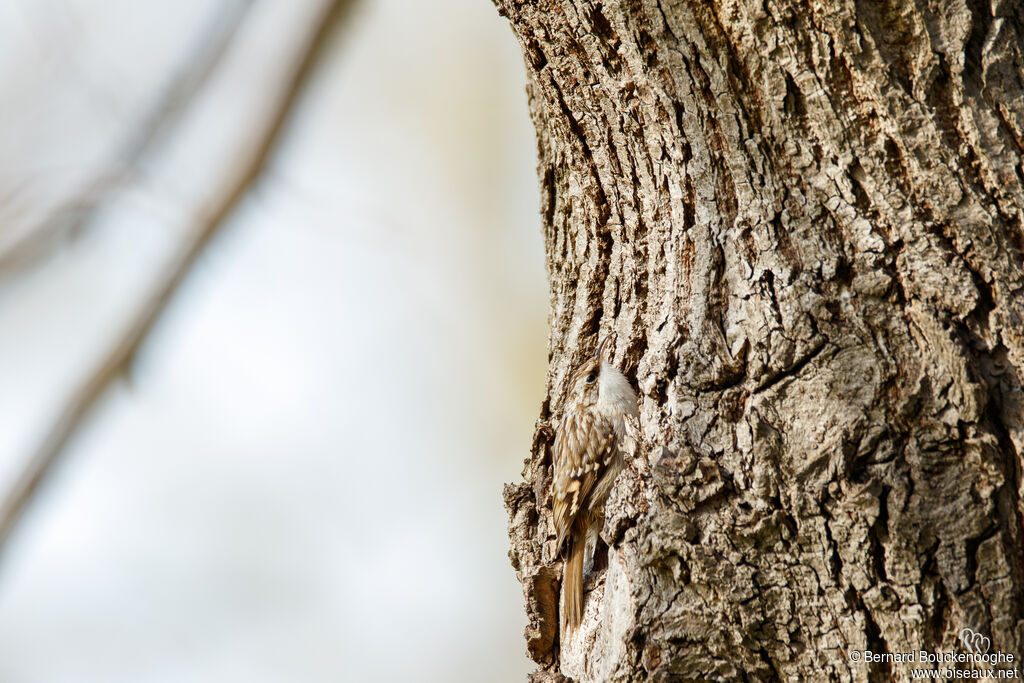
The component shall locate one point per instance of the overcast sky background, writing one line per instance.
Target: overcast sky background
(300, 478)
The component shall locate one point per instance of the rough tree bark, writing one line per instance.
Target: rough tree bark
(803, 224)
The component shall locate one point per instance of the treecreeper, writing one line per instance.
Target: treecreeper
(596, 432)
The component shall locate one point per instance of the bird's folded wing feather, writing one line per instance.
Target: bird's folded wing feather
(583, 450)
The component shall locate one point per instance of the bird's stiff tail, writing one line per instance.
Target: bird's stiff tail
(572, 585)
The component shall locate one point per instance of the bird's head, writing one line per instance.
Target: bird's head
(585, 381)
(597, 382)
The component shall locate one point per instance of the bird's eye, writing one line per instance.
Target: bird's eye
(592, 377)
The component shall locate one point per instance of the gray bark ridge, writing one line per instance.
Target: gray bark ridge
(803, 223)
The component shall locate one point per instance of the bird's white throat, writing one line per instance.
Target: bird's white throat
(614, 393)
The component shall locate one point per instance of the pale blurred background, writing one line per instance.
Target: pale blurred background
(297, 475)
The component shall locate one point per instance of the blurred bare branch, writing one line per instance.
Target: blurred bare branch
(69, 214)
(251, 139)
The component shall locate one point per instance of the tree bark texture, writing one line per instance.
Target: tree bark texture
(803, 224)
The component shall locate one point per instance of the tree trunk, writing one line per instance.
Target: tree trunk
(802, 224)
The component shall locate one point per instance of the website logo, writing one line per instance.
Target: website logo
(974, 641)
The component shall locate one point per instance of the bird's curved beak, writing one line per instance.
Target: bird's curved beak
(599, 354)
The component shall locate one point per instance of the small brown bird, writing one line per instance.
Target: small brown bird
(588, 454)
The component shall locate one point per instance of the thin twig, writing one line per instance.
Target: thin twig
(70, 215)
(223, 199)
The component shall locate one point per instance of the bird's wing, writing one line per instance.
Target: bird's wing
(584, 448)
